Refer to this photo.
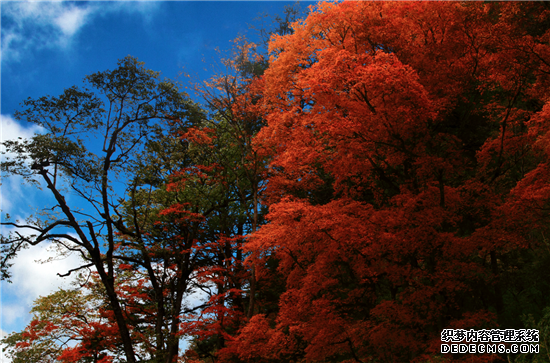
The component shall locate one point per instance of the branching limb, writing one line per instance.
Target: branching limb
(74, 270)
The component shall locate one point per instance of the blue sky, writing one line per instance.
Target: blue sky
(50, 46)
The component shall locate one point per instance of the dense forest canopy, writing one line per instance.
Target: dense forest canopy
(379, 175)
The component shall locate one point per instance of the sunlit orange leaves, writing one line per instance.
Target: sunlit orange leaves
(408, 149)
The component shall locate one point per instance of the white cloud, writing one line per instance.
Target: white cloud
(31, 279)
(12, 312)
(144, 8)
(11, 129)
(32, 25)
(71, 20)
(13, 194)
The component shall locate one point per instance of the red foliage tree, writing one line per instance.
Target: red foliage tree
(409, 170)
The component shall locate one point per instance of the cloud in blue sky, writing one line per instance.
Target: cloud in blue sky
(32, 277)
(12, 194)
(30, 25)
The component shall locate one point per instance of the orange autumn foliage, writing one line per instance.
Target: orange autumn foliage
(409, 167)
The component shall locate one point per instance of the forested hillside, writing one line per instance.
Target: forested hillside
(379, 175)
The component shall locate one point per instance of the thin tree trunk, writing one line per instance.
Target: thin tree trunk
(253, 269)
